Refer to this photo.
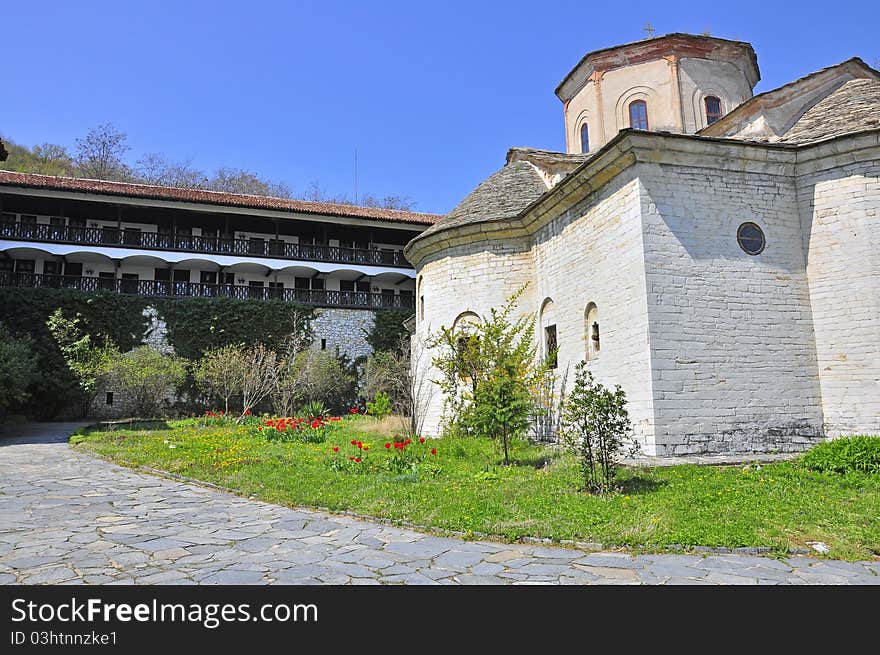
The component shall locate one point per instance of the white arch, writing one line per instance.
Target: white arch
(621, 110)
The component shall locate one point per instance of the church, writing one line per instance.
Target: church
(713, 252)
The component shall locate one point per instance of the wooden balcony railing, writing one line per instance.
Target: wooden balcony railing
(129, 238)
(168, 289)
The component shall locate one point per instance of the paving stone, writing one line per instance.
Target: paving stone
(609, 560)
(604, 572)
(234, 577)
(456, 560)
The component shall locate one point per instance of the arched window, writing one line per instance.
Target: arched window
(585, 138)
(421, 300)
(713, 109)
(465, 343)
(591, 323)
(638, 115)
(548, 324)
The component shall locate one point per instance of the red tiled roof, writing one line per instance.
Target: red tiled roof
(127, 189)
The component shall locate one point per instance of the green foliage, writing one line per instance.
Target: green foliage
(220, 373)
(321, 376)
(45, 159)
(89, 358)
(388, 333)
(381, 405)
(197, 325)
(595, 424)
(148, 376)
(19, 369)
(859, 454)
(315, 408)
(489, 370)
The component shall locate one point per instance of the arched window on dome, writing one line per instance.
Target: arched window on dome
(585, 138)
(638, 115)
(713, 109)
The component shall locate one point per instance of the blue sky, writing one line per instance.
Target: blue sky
(430, 94)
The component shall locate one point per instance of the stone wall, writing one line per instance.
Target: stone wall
(342, 331)
(467, 278)
(592, 254)
(719, 351)
(732, 348)
(839, 196)
(338, 331)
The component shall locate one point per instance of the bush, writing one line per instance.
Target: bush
(19, 369)
(381, 405)
(488, 373)
(148, 377)
(859, 454)
(595, 424)
(317, 375)
(314, 409)
(220, 374)
(89, 358)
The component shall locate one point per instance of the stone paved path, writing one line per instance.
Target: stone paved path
(66, 517)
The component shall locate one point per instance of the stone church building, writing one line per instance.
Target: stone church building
(713, 252)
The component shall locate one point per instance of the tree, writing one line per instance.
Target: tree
(230, 180)
(99, 155)
(595, 424)
(155, 168)
(404, 203)
(221, 373)
(89, 359)
(488, 372)
(148, 377)
(19, 369)
(388, 332)
(259, 376)
(318, 376)
(289, 384)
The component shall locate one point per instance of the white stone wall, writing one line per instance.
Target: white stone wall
(734, 365)
(840, 209)
(468, 278)
(593, 254)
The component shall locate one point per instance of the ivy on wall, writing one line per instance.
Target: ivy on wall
(194, 326)
(388, 330)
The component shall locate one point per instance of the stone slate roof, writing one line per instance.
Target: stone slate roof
(131, 190)
(853, 107)
(504, 194)
(547, 157)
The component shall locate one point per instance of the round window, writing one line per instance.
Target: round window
(751, 238)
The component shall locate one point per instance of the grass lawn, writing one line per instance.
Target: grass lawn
(464, 487)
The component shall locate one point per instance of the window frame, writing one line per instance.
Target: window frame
(585, 143)
(739, 238)
(712, 117)
(638, 102)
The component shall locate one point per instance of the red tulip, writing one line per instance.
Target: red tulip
(335, 449)
(354, 443)
(351, 458)
(388, 445)
(366, 447)
(358, 460)
(421, 440)
(433, 451)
